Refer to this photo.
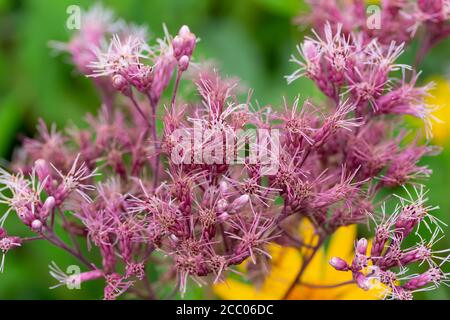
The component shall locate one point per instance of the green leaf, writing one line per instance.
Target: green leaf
(4, 4)
(288, 8)
(235, 52)
(51, 86)
(10, 117)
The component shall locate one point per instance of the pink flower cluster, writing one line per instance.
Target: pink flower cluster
(115, 187)
(384, 265)
(348, 65)
(391, 20)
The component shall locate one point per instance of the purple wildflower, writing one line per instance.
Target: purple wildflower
(199, 199)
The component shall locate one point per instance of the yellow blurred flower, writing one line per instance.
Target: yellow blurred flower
(287, 261)
(440, 96)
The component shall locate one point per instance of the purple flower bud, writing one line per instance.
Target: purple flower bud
(48, 206)
(222, 205)
(184, 31)
(362, 281)
(381, 236)
(162, 74)
(432, 275)
(339, 264)
(361, 246)
(223, 187)
(184, 43)
(239, 202)
(310, 50)
(42, 169)
(43, 173)
(177, 43)
(223, 217)
(183, 63)
(36, 225)
(121, 84)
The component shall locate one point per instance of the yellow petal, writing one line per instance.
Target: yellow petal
(440, 97)
(233, 289)
(342, 243)
(314, 271)
(286, 263)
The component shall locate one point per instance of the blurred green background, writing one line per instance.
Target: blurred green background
(251, 39)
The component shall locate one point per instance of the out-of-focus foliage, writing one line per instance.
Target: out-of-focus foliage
(250, 39)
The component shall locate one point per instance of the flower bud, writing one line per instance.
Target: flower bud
(311, 51)
(36, 225)
(361, 246)
(49, 204)
(177, 43)
(184, 31)
(222, 205)
(362, 281)
(121, 84)
(42, 170)
(339, 264)
(223, 187)
(183, 63)
(223, 217)
(184, 43)
(240, 202)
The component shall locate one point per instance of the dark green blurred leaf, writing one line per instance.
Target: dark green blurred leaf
(53, 91)
(4, 4)
(10, 117)
(235, 52)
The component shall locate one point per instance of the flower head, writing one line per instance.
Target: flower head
(7, 243)
(386, 263)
